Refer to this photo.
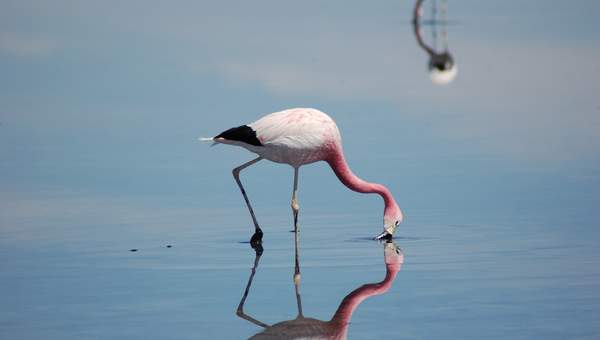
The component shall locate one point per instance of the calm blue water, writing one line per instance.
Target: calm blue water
(497, 171)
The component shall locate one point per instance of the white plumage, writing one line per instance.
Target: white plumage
(295, 136)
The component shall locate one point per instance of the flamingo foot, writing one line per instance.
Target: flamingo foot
(256, 239)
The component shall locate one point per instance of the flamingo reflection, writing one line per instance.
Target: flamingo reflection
(442, 68)
(337, 327)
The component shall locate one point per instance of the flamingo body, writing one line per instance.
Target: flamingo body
(302, 136)
(295, 136)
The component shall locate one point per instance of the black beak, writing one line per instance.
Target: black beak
(383, 236)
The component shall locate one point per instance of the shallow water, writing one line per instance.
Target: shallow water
(497, 171)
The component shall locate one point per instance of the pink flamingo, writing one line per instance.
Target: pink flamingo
(297, 137)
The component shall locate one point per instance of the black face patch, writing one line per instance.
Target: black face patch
(242, 133)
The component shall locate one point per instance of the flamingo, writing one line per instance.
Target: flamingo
(297, 137)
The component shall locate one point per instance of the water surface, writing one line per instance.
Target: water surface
(497, 170)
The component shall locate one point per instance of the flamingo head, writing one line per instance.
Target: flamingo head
(393, 254)
(392, 217)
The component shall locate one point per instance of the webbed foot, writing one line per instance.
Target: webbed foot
(256, 239)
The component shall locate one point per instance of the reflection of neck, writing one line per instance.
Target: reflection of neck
(351, 301)
(417, 28)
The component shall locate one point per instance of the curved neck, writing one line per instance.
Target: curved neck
(349, 179)
(352, 300)
(417, 29)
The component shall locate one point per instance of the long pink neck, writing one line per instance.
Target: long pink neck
(344, 312)
(338, 163)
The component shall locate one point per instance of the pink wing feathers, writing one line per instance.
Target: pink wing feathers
(299, 128)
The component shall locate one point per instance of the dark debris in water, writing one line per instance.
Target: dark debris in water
(137, 249)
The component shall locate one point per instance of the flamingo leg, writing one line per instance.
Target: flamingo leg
(240, 308)
(257, 237)
(295, 206)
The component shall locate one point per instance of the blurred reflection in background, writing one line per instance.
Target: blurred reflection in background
(337, 328)
(442, 68)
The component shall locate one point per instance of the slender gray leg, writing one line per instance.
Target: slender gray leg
(240, 308)
(295, 206)
(257, 237)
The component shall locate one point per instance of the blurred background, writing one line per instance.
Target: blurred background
(483, 118)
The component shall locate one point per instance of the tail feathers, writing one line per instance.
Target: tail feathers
(203, 139)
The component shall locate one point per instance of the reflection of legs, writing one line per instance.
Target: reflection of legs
(295, 206)
(240, 309)
(257, 237)
(297, 272)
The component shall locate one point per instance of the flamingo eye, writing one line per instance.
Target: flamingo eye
(397, 222)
